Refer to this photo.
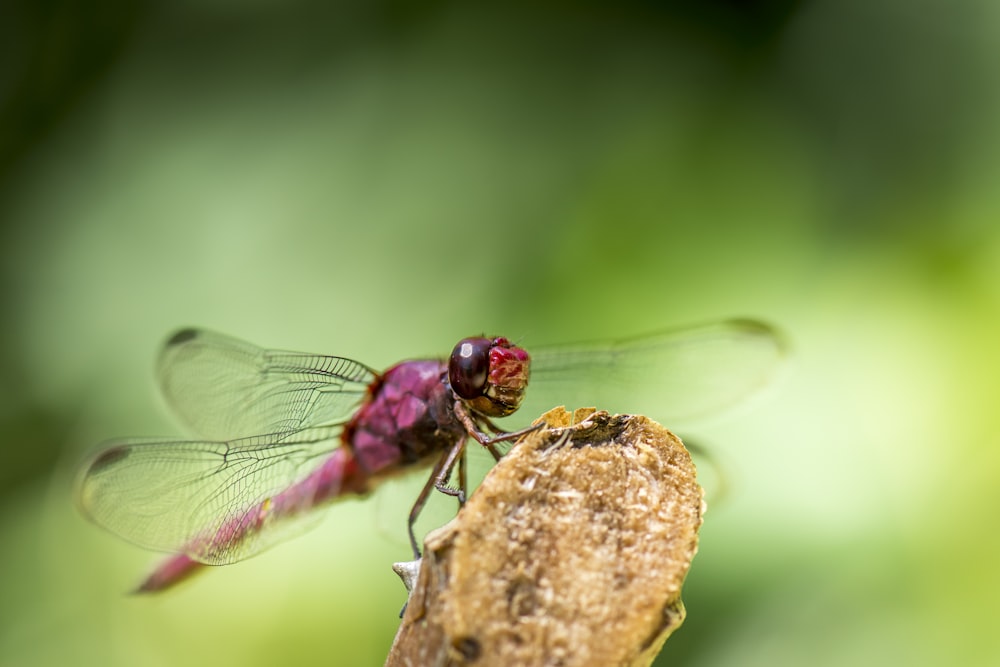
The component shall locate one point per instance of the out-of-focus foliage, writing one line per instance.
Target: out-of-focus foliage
(378, 179)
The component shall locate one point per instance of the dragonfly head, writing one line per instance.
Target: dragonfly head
(490, 374)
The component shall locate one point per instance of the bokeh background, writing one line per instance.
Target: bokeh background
(377, 179)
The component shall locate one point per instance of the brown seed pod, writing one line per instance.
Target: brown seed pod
(571, 552)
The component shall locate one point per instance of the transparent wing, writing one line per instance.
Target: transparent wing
(224, 388)
(214, 501)
(673, 375)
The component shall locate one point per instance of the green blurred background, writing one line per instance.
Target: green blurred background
(377, 179)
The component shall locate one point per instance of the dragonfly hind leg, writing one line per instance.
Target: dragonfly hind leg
(438, 479)
(445, 465)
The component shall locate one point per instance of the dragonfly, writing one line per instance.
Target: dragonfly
(278, 434)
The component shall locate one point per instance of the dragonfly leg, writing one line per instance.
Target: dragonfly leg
(455, 455)
(492, 426)
(488, 441)
(462, 479)
(514, 435)
(437, 480)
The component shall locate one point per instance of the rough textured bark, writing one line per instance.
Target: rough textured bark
(572, 552)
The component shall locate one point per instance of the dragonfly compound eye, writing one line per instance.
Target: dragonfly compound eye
(469, 366)
(489, 374)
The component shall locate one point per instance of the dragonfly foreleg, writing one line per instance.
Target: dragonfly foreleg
(489, 442)
(492, 426)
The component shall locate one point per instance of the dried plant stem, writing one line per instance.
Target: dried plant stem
(572, 552)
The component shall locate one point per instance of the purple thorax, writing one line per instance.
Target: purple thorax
(407, 417)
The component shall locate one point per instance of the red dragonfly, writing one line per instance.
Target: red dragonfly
(281, 433)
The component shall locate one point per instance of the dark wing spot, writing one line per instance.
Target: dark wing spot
(182, 336)
(108, 458)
